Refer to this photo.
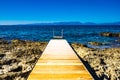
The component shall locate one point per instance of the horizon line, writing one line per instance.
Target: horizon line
(49, 22)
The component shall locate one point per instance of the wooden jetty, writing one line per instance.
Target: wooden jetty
(59, 62)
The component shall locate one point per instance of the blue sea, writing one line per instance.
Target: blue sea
(73, 33)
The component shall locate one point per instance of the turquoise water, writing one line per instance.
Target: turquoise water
(80, 34)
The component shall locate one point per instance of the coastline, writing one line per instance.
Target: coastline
(104, 63)
(18, 57)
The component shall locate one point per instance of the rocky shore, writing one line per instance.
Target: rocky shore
(17, 58)
(105, 63)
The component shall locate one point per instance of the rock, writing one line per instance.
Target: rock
(104, 62)
(6, 68)
(80, 48)
(95, 43)
(77, 44)
(1, 72)
(109, 34)
(9, 61)
(20, 78)
(16, 69)
(17, 41)
(18, 58)
(1, 56)
(2, 41)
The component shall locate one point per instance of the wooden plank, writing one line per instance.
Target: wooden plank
(59, 62)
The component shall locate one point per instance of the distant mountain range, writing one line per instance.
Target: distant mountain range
(114, 23)
(76, 23)
(72, 23)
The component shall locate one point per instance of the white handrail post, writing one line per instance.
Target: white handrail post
(62, 33)
(53, 33)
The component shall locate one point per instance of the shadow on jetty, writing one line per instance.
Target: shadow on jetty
(86, 64)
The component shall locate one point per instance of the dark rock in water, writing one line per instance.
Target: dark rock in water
(95, 43)
(109, 34)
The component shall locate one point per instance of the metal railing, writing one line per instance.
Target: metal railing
(57, 36)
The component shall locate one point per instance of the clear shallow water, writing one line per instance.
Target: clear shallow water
(80, 34)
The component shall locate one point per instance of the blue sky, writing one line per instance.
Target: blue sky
(30, 11)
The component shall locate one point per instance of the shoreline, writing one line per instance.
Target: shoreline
(18, 57)
(92, 44)
(102, 63)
